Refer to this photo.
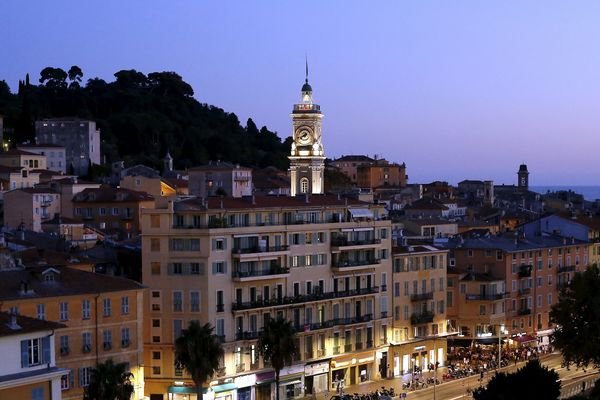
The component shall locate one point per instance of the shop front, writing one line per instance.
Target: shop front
(543, 338)
(246, 385)
(350, 370)
(418, 355)
(264, 381)
(291, 382)
(316, 376)
(225, 391)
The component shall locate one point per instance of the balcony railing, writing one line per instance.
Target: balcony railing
(343, 242)
(358, 346)
(524, 291)
(258, 249)
(308, 355)
(64, 351)
(524, 311)
(486, 297)
(369, 344)
(223, 223)
(348, 348)
(236, 306)
(247, 335)
(220, 307)
(240, 367)
(421, 296)
(336, 349)
(321, 353)
(421, 318)
(565, 268)
(355, 263)
(260, 272)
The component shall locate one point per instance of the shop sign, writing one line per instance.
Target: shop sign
(316, 369)
(245, 380)
(418, 348)
(296, 369)
(265, 377)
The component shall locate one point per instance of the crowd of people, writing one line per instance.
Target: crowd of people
(482, 357)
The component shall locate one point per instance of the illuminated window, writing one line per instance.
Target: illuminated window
(304, 185)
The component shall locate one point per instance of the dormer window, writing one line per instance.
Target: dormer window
(50, 275)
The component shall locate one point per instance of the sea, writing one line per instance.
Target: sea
(589, 193)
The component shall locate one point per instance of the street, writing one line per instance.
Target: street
(459, 389)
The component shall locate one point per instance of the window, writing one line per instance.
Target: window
(549, 280)
(63, 313)
(219, 267)
(125, 338)
(32, 352)
(102, 211)
(220, 305)
(107, 337)
(304, 185)
(154, 244)
(185, 244)
(37, 393)
(155, 221)
(115, 211)
(85, 309)
(86, 339)
(84, 376)
(482, 310)
(156, 323)
(194, 301)
(196, 269)
(155, 268)
(177, 301)
(177, 328)
(41, 311)
(107, 310)
(383, 233)
(218, 244)
(64, 345)
(549, 299)
(124, 305)
(67, 381)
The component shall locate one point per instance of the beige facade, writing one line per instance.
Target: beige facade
(322, 262)
(23, 159)
(30, 206)
(420, 323)
(220, 178)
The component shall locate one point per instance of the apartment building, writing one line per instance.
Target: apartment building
(510, 280)
(28, 369)
(322, 262)
(381, 173)
(419, 296)
(102, 317)
(115, 211)
(55, 155)
(348, 165)
(30, 207)
(220, 177)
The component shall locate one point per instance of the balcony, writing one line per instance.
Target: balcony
(486, 297)
(220, 307)
(107, 346)
(240, 368)
(258, 274)
(524, 311)
(421, 296)
(525, 271)
(321, 353)
(347, 348)
(125, 343)
(421, 318)
(336, 349)
(352, 320)
(565, 268)
(358, 346)
(254, 366)
(86, 348)
(247, 335)
(353, 265)
(384, 314)
(369, 344)
(238, 306)
(308, 355)
(339, 243)
(255, 251)
(221, 372)
(221, 338)
(64, 351)
(524, 291)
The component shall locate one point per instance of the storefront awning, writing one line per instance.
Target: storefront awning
(224, 388)
(524, 339)
(361, 213)
(184, 390)
(265, 377)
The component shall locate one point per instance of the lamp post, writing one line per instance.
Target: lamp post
(435, 365)
(501, 330)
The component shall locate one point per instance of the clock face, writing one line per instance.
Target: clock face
(304, 136)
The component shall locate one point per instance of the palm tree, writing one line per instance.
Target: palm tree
(199, 351)
(277, 345)
(109, 381)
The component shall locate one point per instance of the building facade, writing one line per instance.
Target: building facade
(80, 138)
(30, 207)
(55, 155)
(220, 178)
(381, 173)
(321, 262)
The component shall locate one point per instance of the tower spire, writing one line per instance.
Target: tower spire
(306, 59)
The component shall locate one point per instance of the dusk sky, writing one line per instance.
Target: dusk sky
(456, 89)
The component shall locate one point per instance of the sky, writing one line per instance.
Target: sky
(456, 89)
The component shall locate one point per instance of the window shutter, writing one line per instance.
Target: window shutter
(302, 239)
(224, 267)
(186, 269)
(214, 268)
(71, 379)
(80, 372)
(224, 244)
(214, 244)
(24, 353)
(46, 354)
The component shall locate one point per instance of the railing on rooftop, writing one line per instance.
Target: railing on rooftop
(355, 263)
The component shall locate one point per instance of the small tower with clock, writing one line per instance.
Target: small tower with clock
(307, 159)
(523, 176)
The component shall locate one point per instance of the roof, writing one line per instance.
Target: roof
(355, 158)
(232, 203)
(427, 221)
(416, 248)
(219, 165)
(470, 182)
(591, 221)
(426, 203)
(39, 145)
(4, 168)
(476, 276)
(18, 152)
(306, 87)
(106, 193)
(512, 244)
(34, 190)
(68, 282)
(26, 324)
(176, 182)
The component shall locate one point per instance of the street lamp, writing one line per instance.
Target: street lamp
(435, 365)
(501, 330)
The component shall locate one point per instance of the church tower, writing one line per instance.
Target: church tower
(307, 159)
(523, 174)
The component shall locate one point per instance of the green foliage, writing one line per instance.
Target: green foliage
(199, 351)
(277, 344)
(141, 118)
(109, 381)
(336, 181)
(577, 315)
(533, 381)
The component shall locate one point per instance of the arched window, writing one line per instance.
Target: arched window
(304, 185)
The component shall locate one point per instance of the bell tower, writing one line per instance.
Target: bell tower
(307, 159)
(523, 175)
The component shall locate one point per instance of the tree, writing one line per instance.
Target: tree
(75, 74)
(577, 319)
(533, 381)
(53, 77)
(277, 345)
(199, 351)
(109, 381)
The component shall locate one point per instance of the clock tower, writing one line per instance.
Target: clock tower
(523, 176)
(307, 159)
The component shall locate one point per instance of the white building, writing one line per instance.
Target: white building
(55, 155)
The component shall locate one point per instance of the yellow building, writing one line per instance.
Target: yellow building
(322, 262)
(28, 369)
(103, 317)
(419, 290)
(161, 189)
